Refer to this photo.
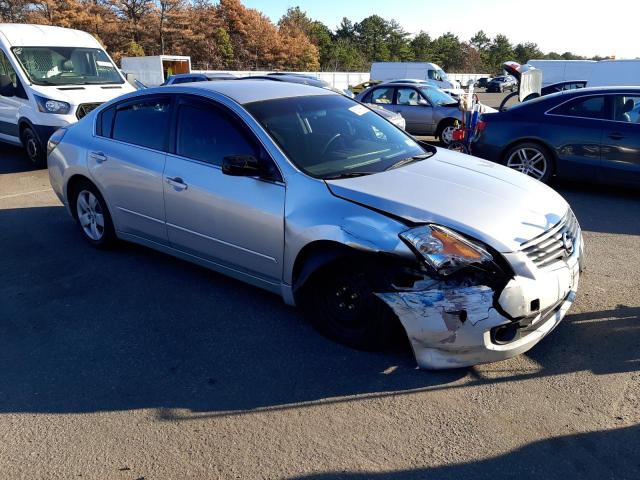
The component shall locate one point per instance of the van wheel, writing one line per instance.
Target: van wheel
(339, 301)
(33, 147)
(91, 213)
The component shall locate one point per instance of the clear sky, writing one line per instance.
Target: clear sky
(583, 27)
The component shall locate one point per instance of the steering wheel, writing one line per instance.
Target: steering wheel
(330, 142)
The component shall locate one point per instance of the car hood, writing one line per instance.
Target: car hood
(76, 95)
(484, 200)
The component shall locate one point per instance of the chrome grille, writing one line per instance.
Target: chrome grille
(85, 108)
(553, 245)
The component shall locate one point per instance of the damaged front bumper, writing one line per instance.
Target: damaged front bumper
(450, 327)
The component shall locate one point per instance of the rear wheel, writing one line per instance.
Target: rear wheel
(33, 147)
(93, 216)
(340, 303)
(531, 159)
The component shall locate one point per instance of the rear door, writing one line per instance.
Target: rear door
(127, 159)
(416, 110)
(237, 222)
(621, 140)
(576, 131)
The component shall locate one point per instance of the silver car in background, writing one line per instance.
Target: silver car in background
(311, 195)
(426, 109)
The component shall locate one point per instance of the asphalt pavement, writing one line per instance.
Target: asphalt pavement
(130, 364)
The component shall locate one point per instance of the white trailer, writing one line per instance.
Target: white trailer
(608, 73)
(556, 71)
(153, 71)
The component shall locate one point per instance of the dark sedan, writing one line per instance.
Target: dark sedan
(585, 134)
(502, 84)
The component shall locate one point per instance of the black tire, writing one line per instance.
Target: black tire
(516, 161)
(442, 129)
(107, 234)
(458, 146)
(33, 148)
(339, 302)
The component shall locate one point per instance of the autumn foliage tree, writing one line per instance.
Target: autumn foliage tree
(225, 34)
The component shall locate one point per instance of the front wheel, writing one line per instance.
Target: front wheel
(340, 303)
(446, 134)
(531, 159)
(33, 148)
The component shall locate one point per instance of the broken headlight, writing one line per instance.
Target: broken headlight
(444, 250)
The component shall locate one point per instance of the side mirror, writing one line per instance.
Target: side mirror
(241, 166)
(6, 86)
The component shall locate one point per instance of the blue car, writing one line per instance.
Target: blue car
(582, 134)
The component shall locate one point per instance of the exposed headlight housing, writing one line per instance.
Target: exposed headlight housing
(46, 105)
(443, 249)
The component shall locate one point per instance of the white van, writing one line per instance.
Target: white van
(428, 72)
(50, 77)
(610, 73)
(557, 71)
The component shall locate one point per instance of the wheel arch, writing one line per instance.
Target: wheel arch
(313, 257)
(72, 186)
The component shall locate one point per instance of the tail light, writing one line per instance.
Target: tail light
(55, 139)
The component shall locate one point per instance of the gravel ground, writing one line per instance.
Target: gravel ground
(129, 364)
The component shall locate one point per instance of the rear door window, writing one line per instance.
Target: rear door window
(143, 122)
(583, 107)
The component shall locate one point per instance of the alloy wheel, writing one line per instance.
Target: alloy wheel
(447, 134)
(90, 215)
(529, 161)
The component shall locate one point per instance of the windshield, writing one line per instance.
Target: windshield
(328, 136)
(67, 65)
(437, 97)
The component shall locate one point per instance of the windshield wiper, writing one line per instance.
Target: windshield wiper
(337, 176)
(406, 161)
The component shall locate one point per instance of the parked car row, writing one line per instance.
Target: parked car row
(582, 134)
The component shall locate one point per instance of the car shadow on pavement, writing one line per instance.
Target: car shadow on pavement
(13, 160)
(604, 209)
(595, 455)
(84, 330)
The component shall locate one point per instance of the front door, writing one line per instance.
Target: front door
(10, 104)
(416, 110)
(621, 140)
(127, 160)
(237, 222)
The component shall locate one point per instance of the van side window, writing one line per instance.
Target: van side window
(144, 122)
(207, 134)
(7, 69)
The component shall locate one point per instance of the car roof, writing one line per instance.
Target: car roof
(183, 75)
(406, 84)
(26, 35)
(249, 91)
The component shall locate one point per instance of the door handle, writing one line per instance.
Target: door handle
(616, 136)
(98, 156)
(177, 182)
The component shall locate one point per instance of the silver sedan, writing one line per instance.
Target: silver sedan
(426, 109)
(311, 195)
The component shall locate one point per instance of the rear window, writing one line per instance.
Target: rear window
(144, 122)
(583, 107)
